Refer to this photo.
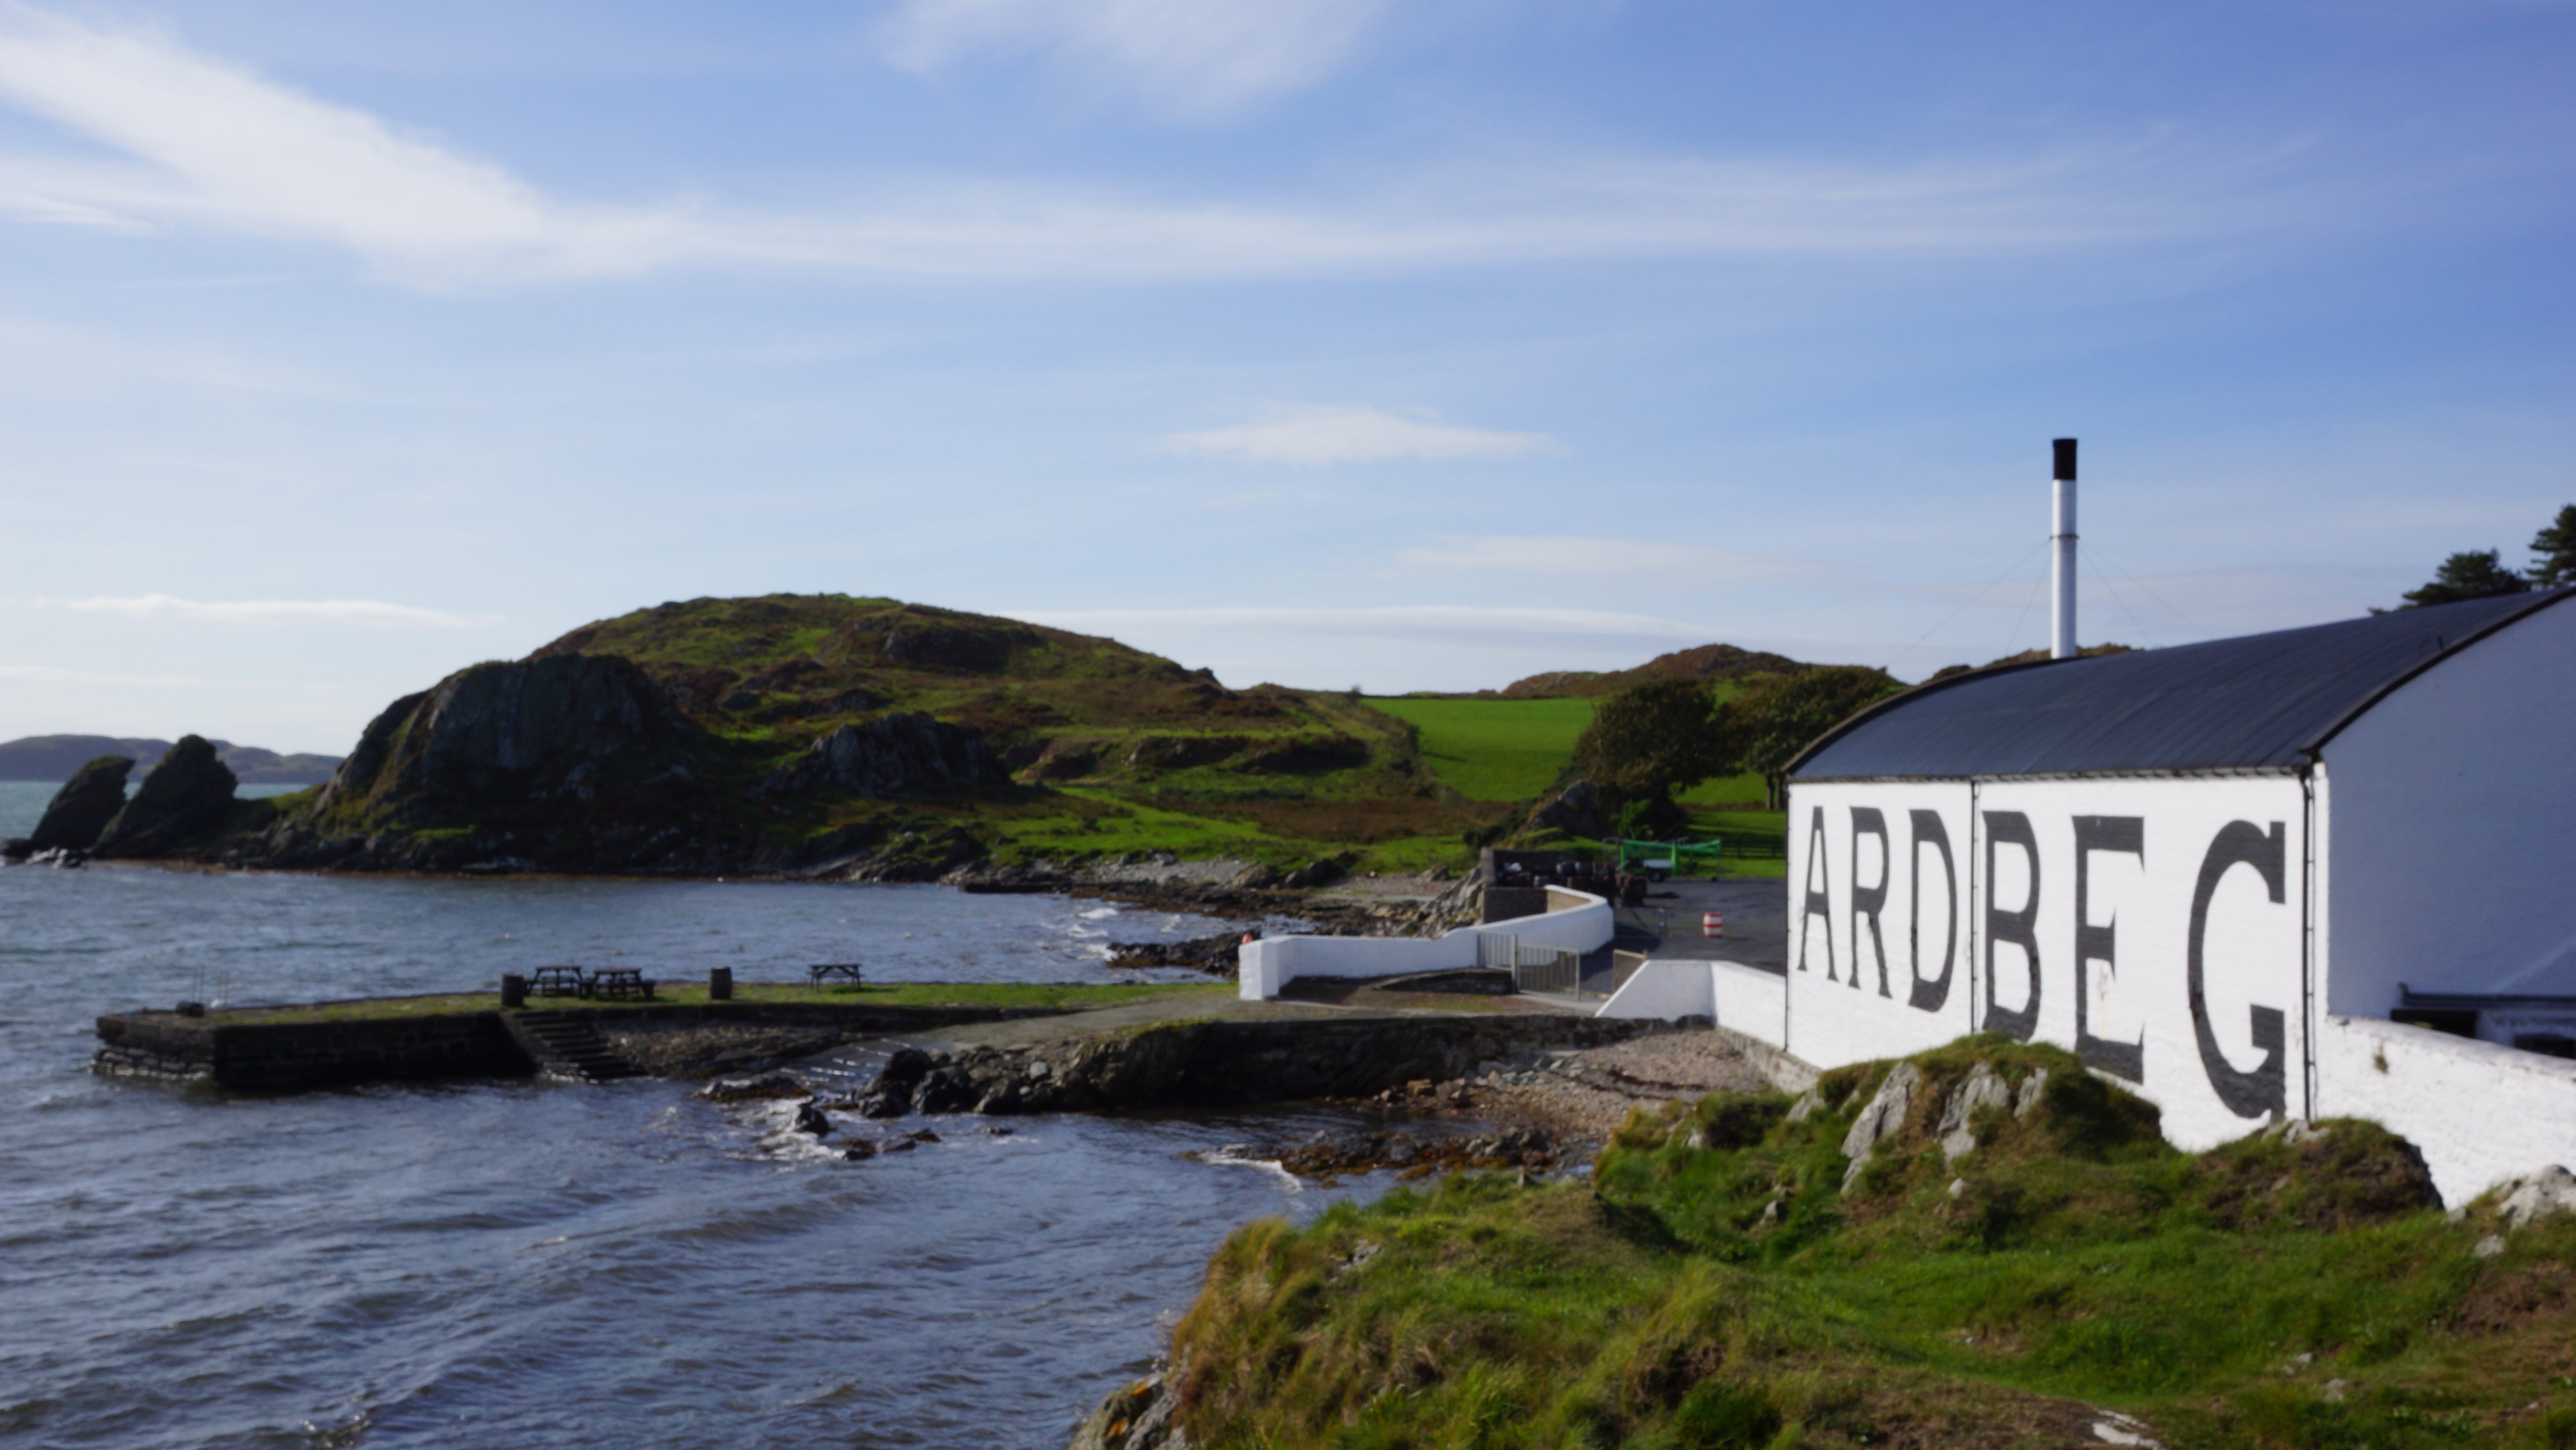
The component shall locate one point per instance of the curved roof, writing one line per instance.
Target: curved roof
(2262, 701)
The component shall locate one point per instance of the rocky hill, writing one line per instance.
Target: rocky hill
(1701, 662)
(796, 732)
(52, 758)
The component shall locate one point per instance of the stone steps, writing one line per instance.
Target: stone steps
(566, 1045)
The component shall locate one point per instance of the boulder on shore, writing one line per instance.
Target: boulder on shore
(83, 807)
(185, 796)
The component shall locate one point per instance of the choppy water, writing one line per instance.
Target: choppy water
(514, 1264)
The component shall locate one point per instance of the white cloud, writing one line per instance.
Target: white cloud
(227, 148)
(1191, 57)
(208, 144)
(1669, 564)
(367, 612)
(1320, 433)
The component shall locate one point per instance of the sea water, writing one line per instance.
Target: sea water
(515, 1263)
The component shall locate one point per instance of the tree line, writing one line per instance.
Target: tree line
(2481, 574)
(1654, 741)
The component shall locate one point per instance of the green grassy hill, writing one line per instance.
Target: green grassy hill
(1726, 1280)
(1080, 748)
(1118, 751)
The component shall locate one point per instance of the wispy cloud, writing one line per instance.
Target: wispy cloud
(56, 675)
(208, 144)
(367, 612)
(1187, 57)
(1321, 433)
(1562, 557)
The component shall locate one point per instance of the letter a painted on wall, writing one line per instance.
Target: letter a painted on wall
(1869, 901)
(1819, 906)
(2264, 1090)
(2102, 943)
(2018, 927)
(1930, 995)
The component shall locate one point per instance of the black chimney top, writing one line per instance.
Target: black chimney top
(2065, 460)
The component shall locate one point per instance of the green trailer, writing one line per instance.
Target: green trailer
(1668, 858)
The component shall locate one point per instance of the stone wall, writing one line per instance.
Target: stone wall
(294, 1055)
(275, 1056)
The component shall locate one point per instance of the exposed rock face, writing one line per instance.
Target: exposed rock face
(83, 807)
(498, 732)
(1882, 1117)
(2544, 1194)
(1138, 1417)
(1982, 1088)
(1210, 1062)
(898, 755)
(1576, 811)
(185, 796)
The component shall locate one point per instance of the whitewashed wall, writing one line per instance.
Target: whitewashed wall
(1575, 921)
(1880, 960)
(2452, 859)
(2476, 1111)
(2166, 864)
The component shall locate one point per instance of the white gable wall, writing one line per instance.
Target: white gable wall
(2452, 862)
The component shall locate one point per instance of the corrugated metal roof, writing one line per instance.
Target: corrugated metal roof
(2251, 703)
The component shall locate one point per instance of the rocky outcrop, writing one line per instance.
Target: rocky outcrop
(909, 754)
(1137, 1417)
(1217, 956)
(184, 798)
(1212, 1063)
(504, 733)
(1576, 811)
(82, 808)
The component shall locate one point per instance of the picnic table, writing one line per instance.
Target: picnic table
(822, 972)
(621, 982)
(557, 982)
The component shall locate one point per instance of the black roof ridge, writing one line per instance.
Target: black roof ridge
(1907, 696)
(2391, 685)
(2271, 699)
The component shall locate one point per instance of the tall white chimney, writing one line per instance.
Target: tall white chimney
(2061, 639)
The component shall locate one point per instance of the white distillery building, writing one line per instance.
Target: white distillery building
(2322, 872)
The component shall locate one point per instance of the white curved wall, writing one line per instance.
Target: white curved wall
(1267, 965)
(2449, 813)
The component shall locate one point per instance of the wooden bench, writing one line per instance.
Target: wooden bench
(621, 983)
(822, 972)
(557, 982)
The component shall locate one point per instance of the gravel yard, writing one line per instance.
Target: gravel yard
(1587, 1094)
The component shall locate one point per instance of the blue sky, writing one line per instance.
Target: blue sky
(1416, 345)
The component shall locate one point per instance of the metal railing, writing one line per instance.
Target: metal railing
(1552, 970)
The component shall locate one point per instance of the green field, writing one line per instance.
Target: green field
(1494, 750)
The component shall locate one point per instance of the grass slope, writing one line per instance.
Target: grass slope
(1494, 750)
(1715, 1286)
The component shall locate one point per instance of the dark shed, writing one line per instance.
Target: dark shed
(2259, 702)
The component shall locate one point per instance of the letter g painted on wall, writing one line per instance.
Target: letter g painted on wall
(2265, 1090)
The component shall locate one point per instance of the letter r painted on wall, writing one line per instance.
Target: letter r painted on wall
(1819, 905)
(2265, 1090)
(1869, 901)
(2102, 943)
(2018, 927)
